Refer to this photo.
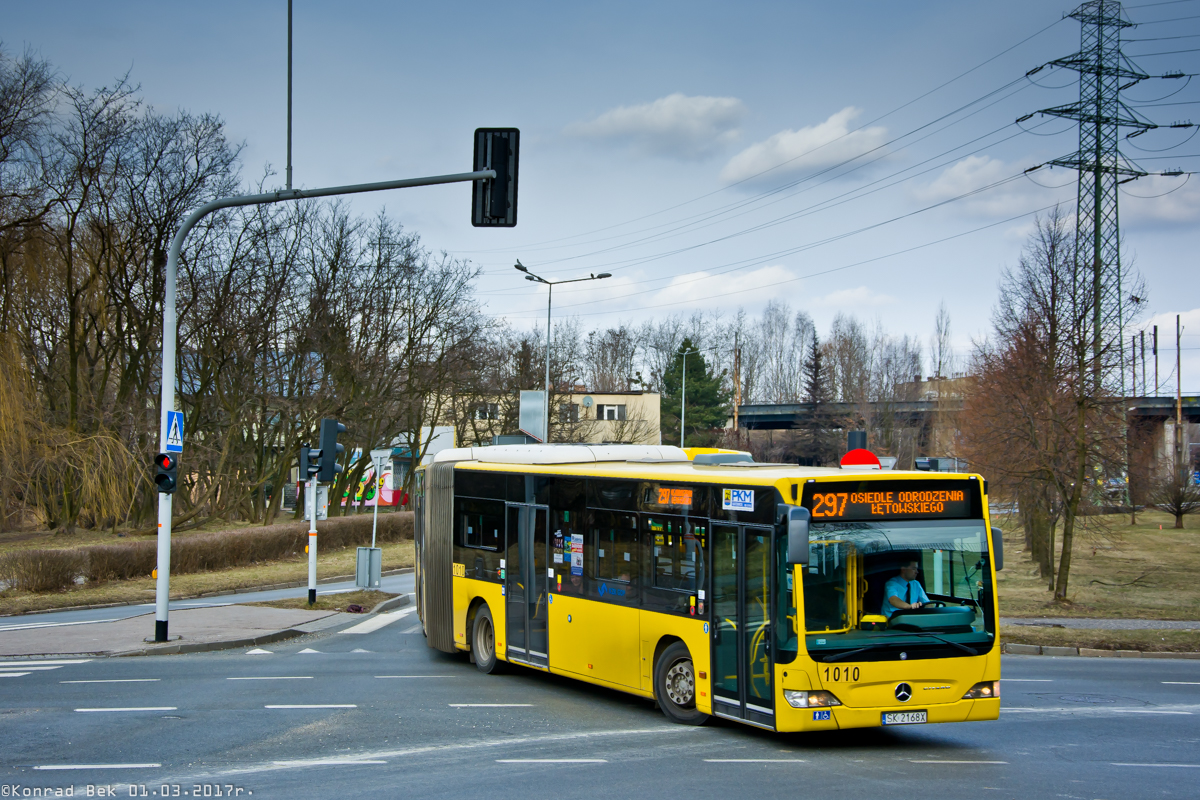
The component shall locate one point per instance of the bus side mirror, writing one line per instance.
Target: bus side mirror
(797, 535)
(998, 548)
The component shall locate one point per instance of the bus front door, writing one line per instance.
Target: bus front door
(527, 584)
(741, 631)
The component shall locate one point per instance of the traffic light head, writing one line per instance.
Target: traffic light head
(330, 450)
(494, 202)
(309, 462)
(166, 475)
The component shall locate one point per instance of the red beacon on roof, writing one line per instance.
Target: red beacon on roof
(860, 459)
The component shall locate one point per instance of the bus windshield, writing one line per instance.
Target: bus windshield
(875, 589)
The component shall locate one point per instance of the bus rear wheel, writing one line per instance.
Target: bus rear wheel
(675, 686)
(483, 641)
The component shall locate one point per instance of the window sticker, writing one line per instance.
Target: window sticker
(576, 553)
(737, 499)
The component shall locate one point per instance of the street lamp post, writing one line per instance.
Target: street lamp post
(683, 393)
(529, 276)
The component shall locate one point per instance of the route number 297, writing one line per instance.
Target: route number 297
(830, 505)
(846, 674)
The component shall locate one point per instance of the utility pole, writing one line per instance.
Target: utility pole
(737, 383)
(1155, 345)
(1143, 337)
(289, 103)
(1178, 404)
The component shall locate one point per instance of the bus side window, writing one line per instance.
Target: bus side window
(614, 541)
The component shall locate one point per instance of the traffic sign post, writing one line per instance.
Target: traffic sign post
(312, 539)
(170, 330)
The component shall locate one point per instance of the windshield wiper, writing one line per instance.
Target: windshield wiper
(962, 647)
(849, 653)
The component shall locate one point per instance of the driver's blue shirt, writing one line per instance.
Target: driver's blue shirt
(898, 587)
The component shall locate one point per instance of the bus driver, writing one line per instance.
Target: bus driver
(903, 591)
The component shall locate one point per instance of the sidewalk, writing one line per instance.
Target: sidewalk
(1108, 624)
(192, 630)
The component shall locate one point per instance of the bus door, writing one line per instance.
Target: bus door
(742, 665)
(527, 584)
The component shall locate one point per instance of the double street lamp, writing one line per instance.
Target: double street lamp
(529, 276)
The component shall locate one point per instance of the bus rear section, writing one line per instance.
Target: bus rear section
(891, 617)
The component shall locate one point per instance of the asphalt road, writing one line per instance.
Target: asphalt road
(396, 584)
(378, 714)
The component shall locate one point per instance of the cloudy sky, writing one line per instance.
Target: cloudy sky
(857, 157)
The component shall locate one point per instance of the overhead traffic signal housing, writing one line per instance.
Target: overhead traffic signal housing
(330, 450)
(166, 472)
(494, 202)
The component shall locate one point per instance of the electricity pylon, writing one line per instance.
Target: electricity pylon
(1103, 73)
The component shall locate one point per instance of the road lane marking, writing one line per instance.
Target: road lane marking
(258, 651)
(39, 662)
(30, 669)
(1028, 680)
(664, 730)
(132, 708)
(489, 705)
(274, 678)
(1090, 710)
(1146, 711)
(317, 705)
(378, 621)
(31, 625)
(96, 766)
(931, 761)
(551, 760)
(119, 680)
(13, 674)
(755, 761)
(416, 676)
(327, 762)
(1182, 683)
(1182, 766)
(307, 650)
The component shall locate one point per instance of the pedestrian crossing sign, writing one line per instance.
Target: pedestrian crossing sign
(174, 431)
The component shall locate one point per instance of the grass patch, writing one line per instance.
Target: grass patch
(1147, 641)
(1130, 571)
(329, 563)
(332, 602)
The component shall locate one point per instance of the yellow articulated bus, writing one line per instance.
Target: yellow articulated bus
(790, 598)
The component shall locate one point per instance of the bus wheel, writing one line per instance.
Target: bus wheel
(675, 686)
(483, 641)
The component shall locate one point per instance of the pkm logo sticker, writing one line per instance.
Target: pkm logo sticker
(737, 499)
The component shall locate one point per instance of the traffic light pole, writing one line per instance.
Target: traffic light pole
(312, 540)
(162, 588)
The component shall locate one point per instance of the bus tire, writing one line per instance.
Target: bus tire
(675, 686)
(483, 641)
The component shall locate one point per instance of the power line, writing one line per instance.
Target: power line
(826, 144)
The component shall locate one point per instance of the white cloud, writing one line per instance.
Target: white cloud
(813, 147)
(676, 126)
(704, 290)
(1010, 199)
(1158, 199)
(854, 299)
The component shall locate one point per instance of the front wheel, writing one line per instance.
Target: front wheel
(675, 686)
(483, 641)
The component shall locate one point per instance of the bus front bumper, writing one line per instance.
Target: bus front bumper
(809, 719)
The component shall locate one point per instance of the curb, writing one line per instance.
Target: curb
(1086, 652)
(267, 638)
(224, 593)
(398, 601)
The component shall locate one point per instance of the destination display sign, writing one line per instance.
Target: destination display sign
(892, 500)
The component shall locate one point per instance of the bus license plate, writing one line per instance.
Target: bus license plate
(904, 717)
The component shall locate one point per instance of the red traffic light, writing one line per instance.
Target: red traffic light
(165, 461)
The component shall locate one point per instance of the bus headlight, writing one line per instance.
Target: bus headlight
(810, 699)
(982, 690)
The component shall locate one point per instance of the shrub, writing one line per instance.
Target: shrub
(41, 570)
(212, 551)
